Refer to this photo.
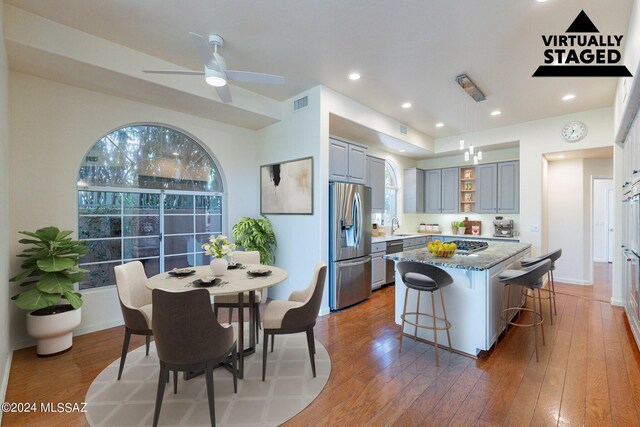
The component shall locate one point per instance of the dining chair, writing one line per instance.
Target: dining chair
(189, 338)
(135, 303)
(297, 314)
(231, 301)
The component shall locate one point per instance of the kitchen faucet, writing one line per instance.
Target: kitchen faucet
(396, 223)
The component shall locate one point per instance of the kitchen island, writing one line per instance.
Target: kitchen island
(472, 301)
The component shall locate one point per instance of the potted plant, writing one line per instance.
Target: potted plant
(219, 247)
(454, 227)
(256, 235)
(461, 227)
(50, 270)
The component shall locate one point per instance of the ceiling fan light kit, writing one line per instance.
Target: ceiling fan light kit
(214, 77)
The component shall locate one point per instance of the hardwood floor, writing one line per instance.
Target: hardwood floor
(601, 288)
(588, 374)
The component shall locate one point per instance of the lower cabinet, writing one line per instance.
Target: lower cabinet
(378, 270)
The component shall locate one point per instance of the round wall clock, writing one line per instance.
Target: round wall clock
(574, 131)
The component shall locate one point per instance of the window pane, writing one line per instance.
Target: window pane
(209, 204)
(178, 224)
(179, 244)
(209, 224)
(98, 202)
(99, 226)
(180, 261)
(141, 247)
(178, 204)
(141, 226)
(99, 275)
(141, 203)
(201, 239)
(103, 250)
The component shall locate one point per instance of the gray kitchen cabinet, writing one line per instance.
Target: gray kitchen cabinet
(375, 175)
(450, 193)
(413, 191)
(433, 191)
(378, 270)
(487, 188)
(347, 162)
(509, 187)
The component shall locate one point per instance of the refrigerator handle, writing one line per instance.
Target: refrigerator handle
(360, 219)
(354, 263)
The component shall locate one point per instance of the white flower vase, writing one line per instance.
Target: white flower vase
(219, 266)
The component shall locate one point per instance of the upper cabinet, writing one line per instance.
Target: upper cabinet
(450, 193)
(441, 190)
(347, 162)
(375, 174)
(498, 187)
(487, 188)
(413, 190)
(508, 187)
(433, 191)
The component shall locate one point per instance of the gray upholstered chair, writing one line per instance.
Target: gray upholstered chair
(297, 314)
(135, 302)
(189, 338)
(231, 301)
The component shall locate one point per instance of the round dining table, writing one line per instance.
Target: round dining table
(233, 282)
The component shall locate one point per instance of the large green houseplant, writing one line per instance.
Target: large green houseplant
(256, 235)
(49, 271)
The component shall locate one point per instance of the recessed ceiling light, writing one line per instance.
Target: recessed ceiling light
(560, 156)
(439, 125)
(401, 151)
(541, 1)
(175, 153)
(496, 113)
(568, 97)
(354, 76)
(406, 105)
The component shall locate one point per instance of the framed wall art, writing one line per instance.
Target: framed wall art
(286, 188)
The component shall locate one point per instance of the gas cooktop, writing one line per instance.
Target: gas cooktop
(469, 246)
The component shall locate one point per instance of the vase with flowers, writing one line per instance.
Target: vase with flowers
(219, 247)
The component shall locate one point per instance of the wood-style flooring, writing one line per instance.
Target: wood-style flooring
(588, 374)
(600, 289)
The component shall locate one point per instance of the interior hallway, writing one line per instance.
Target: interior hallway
(601, 288)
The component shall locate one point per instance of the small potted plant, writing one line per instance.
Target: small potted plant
(461, 227)
(454, 227)
(50, 270)
(256, 235)
(219, 247)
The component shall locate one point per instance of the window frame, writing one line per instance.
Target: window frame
(388, 165)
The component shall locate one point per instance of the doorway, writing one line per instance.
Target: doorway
(602, 219)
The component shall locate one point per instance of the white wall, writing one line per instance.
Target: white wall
(412, 221)
(599, 219)
(5, 349)
(569, 219)
(300, 237)
(52, 127)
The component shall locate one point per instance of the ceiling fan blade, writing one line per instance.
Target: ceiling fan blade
(249, 77)
(204, 50)
(186, 73)
(224, 93)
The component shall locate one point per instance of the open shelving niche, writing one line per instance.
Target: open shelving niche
(467, 189)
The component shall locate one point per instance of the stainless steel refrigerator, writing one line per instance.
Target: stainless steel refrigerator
(349, 243)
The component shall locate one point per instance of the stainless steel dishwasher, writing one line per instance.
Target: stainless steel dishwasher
(393, 247)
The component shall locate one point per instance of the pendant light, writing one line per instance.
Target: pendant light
(479, 155)
(466, 156)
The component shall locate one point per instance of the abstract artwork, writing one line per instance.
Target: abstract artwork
(287, 187)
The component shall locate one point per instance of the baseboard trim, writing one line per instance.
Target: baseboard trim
(96, 327)
(617, 302)
(5, 380)
(572, 281)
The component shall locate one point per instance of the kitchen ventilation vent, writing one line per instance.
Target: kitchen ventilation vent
(300, 103)
(472, 90)
(403, 129)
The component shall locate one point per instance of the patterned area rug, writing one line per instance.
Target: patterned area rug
(289, 388)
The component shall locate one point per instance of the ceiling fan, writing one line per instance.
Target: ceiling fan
(215, 68)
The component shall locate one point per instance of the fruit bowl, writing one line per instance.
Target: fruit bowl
(442, 250)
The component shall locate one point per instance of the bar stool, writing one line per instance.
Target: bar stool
(424, 278)
(551, 291)
(529, 278)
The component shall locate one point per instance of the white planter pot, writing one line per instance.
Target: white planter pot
(219, 266)
(53, 331)
(461, 230)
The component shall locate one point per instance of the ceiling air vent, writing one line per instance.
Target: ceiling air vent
(300, 103)
(404, 130)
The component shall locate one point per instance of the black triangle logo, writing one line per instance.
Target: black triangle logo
(582, 24)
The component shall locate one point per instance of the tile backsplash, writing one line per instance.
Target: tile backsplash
(410, 222)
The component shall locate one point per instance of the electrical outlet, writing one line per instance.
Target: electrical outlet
(534, 228)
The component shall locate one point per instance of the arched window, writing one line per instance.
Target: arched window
(391, 189)
(147, 193)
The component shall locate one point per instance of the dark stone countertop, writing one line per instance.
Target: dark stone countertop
(478, 261)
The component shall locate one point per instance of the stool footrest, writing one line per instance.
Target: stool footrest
(419, 325)
(522, 325)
